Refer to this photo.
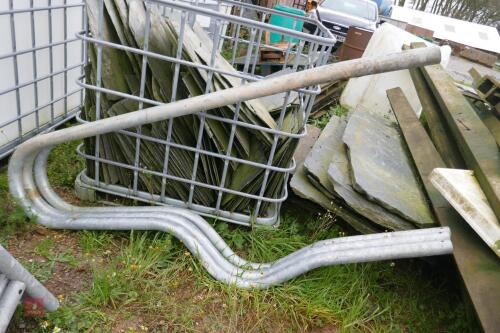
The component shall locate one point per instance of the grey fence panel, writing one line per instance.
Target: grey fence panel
(40, 61)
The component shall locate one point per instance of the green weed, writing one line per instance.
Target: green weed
(64, 165)
(45, 248)
(337, 110)
(12, 215)
(94, 241)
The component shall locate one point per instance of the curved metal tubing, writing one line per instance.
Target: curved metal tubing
(29, 185)
(9, 301)
(14, 271)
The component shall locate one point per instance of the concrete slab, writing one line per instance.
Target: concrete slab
(461, 189)
(306, 144)
(381, 169)
(304, 189)
(339, 176)
(319, 158)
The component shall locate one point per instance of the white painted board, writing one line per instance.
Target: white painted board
(369, 92)
(461, 189)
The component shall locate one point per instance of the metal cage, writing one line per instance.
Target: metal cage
(232, 27)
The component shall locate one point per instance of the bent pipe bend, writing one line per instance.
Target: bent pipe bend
(14, 271)
(189, 228)
(29, 185)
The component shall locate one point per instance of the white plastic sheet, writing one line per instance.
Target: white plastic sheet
(369, 92)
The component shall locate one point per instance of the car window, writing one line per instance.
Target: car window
(352, 7)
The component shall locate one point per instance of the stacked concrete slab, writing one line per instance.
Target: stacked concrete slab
(359, 165)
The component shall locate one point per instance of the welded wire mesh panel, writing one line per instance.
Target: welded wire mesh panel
(232, 162)
(40, 62)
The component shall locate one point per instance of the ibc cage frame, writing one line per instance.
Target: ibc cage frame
(40, 60)
(316, 53)
(312, 50)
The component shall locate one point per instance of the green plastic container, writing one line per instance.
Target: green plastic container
(285, 22)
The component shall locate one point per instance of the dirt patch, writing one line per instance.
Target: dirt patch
(68, 195)
(67, 276)
(326, 329)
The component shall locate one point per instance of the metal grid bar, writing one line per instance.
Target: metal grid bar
(65, 37)
(247, 77)
(38, 108)
(183, 180)
(98, 84)
(16, 69)
(202, 115)
(58, 121)
(289, 169)
(233, 127)
(275, 139)
(39, 9)
(173, 99)
(37, 48)
(18, 86)
(154, 199)
(51, 63)
(35, 74)
(141, 94)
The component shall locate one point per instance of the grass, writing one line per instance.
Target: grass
(151, 278)
(12, 216)
(148, 282)
(337, 110)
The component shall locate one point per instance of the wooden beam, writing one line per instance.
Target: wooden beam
(475, 142)
(432, 115)
(476, 263)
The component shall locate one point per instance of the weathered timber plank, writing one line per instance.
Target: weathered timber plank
(475, 142)
(477, 264)
(489, 119)
(436, 124)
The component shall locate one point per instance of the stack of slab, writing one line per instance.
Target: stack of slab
(360, 169)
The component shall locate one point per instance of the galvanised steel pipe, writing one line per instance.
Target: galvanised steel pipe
(14, 271)
(156, 218)
(29, 184)
(9, 301)
(310, 77)
(3, 283)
